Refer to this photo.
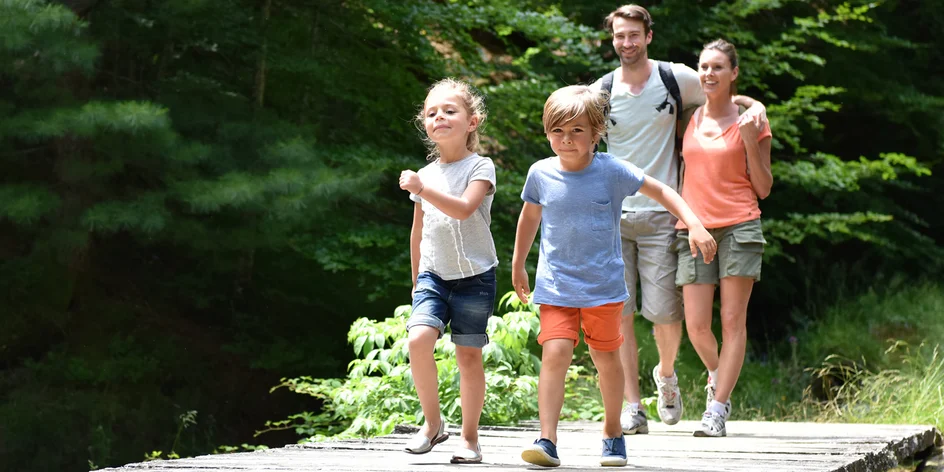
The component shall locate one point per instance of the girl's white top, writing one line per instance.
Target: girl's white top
(450, 248)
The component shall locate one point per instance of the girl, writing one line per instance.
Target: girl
(453, 260)
(727, 168)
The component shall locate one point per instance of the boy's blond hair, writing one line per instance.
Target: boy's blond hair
(567, 103)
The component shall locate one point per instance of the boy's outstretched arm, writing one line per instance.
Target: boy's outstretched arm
(698, 236)
(528, 223)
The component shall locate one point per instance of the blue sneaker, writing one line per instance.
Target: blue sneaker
(614, 452)
(544, 452)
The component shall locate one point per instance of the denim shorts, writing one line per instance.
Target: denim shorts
(463, 304)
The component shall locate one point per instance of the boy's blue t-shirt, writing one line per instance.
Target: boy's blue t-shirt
(581, 261)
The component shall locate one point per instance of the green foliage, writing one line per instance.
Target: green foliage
(192, 171)
(378, 392)
(907, 392)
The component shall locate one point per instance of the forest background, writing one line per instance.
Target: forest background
(199, 198)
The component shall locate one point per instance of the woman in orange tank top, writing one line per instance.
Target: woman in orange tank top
(727, 168)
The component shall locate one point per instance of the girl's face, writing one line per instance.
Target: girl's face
(716, 73)
(446, 118)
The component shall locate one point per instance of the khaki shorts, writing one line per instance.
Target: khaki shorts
(647, 238)
(740, 253)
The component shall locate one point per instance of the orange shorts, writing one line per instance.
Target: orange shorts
(601, 325)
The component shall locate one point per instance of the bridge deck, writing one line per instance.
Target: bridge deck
(754, 446)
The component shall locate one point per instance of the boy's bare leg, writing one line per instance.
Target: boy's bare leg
(423, 366)
(555, 359)
(472, 392)
(610, 370)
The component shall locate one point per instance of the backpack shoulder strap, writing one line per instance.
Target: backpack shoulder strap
(668, 80)
(607, 86)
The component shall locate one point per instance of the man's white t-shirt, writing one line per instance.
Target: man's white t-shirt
(644, 133)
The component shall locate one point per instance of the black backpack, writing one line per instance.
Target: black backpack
(668, 80)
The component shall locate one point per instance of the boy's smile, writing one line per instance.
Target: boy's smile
(573, 142)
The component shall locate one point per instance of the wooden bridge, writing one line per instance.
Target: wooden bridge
(750, 446)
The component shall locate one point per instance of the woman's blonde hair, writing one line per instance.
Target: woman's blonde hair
(567, 103)
(474, 105)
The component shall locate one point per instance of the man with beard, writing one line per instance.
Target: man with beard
(642, 128)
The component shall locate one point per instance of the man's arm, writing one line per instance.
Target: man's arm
(755, 111)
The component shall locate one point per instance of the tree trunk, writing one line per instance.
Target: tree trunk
(259, 92)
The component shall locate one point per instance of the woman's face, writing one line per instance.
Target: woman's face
(716, 73)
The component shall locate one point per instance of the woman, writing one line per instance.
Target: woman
(727, 168)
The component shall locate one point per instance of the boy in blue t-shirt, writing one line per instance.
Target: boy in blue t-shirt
(576, 199)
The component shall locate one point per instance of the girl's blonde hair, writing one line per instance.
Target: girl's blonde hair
(567, 103)
(474, 105)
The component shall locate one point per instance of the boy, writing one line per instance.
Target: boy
(575, 197)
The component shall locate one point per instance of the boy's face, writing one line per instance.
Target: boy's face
(630, 40)
(573, 140)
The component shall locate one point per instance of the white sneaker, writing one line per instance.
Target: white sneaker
(712, 426)
(710, 397)
(670, 398)
(633, 420)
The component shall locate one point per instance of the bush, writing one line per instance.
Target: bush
(378, 392)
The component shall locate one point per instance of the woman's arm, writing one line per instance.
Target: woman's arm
(528, 223)
(758, 160)
(755, 111)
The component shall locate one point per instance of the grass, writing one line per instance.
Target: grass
(874, 358)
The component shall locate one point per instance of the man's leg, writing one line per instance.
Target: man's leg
(668, 339)
(629, 351)
(661, 304)
(629, 356)
(632, 418)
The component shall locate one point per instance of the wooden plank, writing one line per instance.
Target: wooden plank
(750, 446)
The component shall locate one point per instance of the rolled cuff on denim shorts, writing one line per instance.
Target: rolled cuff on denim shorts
(469, 340)
(425, 319)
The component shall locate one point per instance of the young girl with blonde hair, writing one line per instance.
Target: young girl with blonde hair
(453, 260)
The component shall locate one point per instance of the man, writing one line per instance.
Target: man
(642, 129)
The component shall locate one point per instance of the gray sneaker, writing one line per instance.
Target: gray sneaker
(712, 426)
(670, 398)
(633, 421)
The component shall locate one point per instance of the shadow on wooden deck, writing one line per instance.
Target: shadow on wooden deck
(750, 446)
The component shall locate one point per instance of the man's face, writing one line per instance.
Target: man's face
(630, 40)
